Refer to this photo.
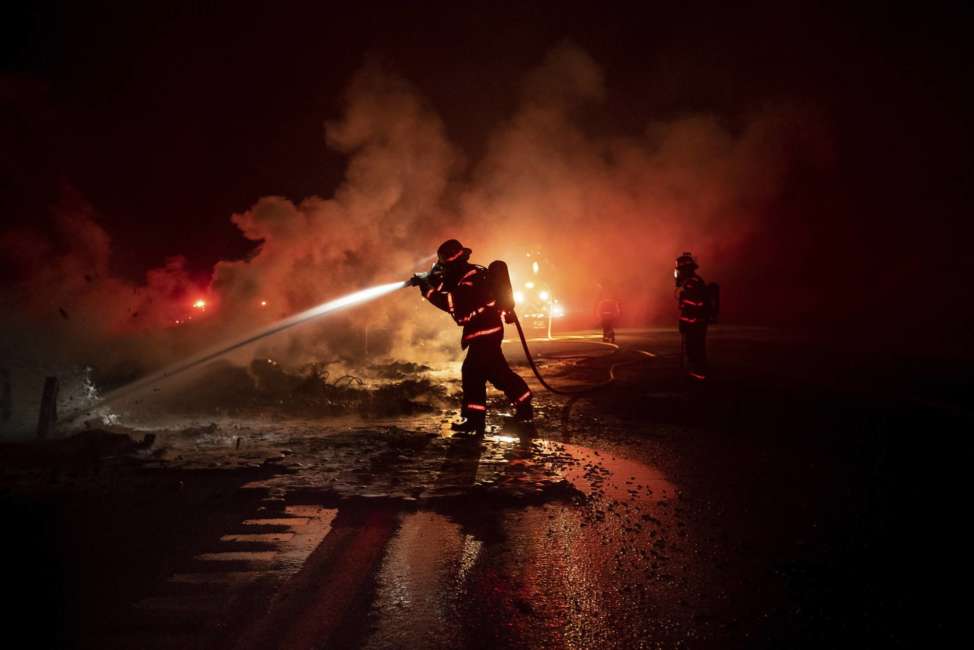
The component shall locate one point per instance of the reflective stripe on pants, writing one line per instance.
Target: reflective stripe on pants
(485, 362)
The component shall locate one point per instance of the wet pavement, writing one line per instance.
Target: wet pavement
(655, 513)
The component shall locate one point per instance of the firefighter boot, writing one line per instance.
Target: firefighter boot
(522, 422)
(471, 425)
(524, 412)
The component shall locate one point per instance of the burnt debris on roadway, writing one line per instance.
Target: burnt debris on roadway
(775, 505)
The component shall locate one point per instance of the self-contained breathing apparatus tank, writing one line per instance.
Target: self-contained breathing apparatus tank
(502, 293)
(685, 266)
(713, 302)
(498, 283)
(501, 289)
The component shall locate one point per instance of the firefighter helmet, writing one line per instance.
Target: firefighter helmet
(452, 251)
(686, 262)
(685, 266)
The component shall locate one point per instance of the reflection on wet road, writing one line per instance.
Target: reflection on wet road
(512, 542)
(654, 514)
(558, 574)
(425, 539)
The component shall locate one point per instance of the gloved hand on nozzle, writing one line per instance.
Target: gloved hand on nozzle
(420, 280)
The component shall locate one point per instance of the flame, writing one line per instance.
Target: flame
(199, 304)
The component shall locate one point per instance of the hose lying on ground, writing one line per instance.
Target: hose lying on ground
(583, 389)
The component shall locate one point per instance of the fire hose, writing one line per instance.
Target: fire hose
(349, 300)
(499, 281)
(583, 389)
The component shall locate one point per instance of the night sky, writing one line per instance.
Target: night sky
(169, 119)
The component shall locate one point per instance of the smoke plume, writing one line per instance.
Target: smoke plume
(604, 211)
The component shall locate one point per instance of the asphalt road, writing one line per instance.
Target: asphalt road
(786, 503)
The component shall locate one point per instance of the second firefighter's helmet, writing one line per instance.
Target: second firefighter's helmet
(686, 263)
(685, 266)
(452, 251)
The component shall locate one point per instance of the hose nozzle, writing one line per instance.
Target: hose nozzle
(416, 280)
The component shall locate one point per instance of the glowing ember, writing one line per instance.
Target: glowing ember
(263, 303)
(199, 304)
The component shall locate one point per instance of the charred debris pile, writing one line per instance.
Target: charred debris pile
(317, 389)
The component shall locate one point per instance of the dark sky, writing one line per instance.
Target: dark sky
(168, 119)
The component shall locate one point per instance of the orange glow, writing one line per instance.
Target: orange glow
(199, 304)
(263, 303)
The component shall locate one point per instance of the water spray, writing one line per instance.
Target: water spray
(502, 287)
(350, 300)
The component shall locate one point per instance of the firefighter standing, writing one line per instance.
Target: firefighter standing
(609, 310)
(462, 290)
(698, 308)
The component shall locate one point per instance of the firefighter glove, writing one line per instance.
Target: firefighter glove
(420, 280)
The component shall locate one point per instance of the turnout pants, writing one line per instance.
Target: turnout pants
(608, 329)
(485, 362)
(696, 341)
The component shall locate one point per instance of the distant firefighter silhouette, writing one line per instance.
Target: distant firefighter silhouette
(699, 304)
(608, 311)
(475, 298)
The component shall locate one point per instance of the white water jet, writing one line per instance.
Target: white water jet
(350, 300)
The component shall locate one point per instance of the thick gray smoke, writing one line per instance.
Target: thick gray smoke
(601, 211)
(616, 210)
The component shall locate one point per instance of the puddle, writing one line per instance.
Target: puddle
(613, 477)
(420, 584)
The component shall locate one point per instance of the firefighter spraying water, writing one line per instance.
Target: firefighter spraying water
(480, 300)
